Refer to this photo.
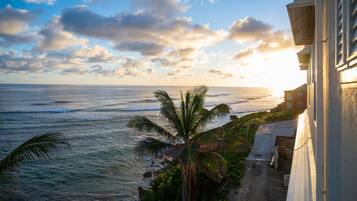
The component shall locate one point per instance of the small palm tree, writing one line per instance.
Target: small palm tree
(38, 147)
(184, 137)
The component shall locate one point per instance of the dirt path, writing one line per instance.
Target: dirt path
(260, 183)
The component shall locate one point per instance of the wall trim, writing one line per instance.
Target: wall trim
(348, 76)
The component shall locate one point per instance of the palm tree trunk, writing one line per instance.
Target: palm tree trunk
(189, 182)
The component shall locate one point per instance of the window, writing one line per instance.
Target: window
(346, 33)
(300, 95)
(299, 105)
(352, 50)
(339, 32)
(289, 97)
(289, 105)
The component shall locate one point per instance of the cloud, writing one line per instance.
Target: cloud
(244, 53)
(94, 54)
(11, 62)
(48, 2)
(8, 39)
(180, 58)
(160, 8)
(13, 22)
(146, 48)
(275, 41)
(220, 73)
(97, 70)
(31, 62)
(262, 34)
(55, 38)
(74, 70)
(249, 29)
(100, 70)
(140, 31)
(174, 73)
(134, 68)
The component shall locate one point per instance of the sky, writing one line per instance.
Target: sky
(148, 42)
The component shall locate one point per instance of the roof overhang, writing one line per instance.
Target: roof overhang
(302, 21)
(304, 57)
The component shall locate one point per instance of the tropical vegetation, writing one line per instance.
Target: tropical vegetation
(240, 131)
(183, 137)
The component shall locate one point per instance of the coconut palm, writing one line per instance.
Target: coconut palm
(184, 138)
(38, 147)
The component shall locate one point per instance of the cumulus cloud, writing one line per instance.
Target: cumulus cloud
(74, 70)
(139, 31)
(55, 38)
(248, 29)
(13, 22)
(265, 38)
(11, 62)
(48, 2)
(94, 54)
(133, 67)
(30, 62)
(220, 74)
(174, 73)
(179, 58)
(244, 53)
(100, 70)
(146, 48)
(160, 8)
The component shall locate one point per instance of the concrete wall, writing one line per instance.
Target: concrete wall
(348, 143)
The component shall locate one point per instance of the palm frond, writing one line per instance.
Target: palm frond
(196, 107)
(153, 146)
(183, 116)
(38, 147)
(142, 123)
(169, 110)
(208, 115)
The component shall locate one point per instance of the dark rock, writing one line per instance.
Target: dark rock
(233, 117)
(147, 174)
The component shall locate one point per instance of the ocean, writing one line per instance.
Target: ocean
(101, 164)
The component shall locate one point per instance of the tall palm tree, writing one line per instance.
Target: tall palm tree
(38, 147)
(183, 135)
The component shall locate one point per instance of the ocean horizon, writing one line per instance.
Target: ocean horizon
(102, 164)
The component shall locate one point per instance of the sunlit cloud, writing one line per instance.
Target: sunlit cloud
(53, 37)
(265, 38)
(13, 24)
(220, 73)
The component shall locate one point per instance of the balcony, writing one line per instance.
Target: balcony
(304, 57)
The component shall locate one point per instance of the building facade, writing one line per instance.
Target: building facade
(327, 29)
(295, 99)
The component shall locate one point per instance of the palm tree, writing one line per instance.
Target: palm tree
(38, 147)
(183, 135)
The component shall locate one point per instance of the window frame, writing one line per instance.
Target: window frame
(343, 57)
(351, 55)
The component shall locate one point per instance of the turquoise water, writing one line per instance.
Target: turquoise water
(102, 164)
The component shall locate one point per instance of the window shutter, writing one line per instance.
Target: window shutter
(353, 26)
(339, 30)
